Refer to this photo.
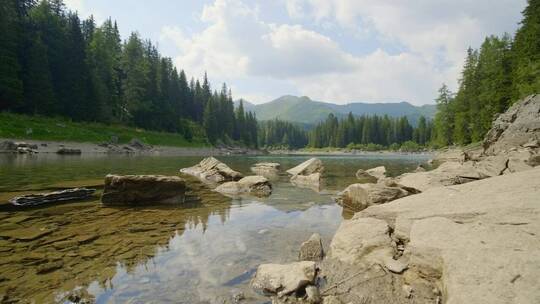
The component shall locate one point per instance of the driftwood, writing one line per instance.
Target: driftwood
(52, 197)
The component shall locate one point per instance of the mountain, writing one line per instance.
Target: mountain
(307, 111)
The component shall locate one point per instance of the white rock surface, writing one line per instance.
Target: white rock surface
(256, 185)
(310, 166)
(284, 279)
(212, 170)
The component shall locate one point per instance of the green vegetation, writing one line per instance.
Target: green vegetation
(306, 111)
(54, 65)
(501, 72)
(58, 129)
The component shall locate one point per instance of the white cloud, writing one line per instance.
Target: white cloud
(83, 11)
(238, 44)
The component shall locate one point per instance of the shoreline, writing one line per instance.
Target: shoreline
(88, 148)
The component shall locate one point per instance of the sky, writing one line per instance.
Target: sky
(338, 51)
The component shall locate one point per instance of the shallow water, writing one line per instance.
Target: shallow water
(201, 253)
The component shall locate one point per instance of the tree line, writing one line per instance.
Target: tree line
(54, 64)
(364, 132)
(502, 71)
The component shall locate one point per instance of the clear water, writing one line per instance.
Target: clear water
(205, 252)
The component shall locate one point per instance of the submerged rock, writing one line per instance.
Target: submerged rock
(312, 249)
(374, 173)
(143, 190)
(312, 181)
(68, 151)
(256, 185)
(311, 166)
(8, 146)
(52, 197)
(284, 279)
(212, 170)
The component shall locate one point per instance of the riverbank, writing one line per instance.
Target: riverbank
(52, 147)
(46, 129)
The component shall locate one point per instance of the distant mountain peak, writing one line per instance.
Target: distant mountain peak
(304, 110)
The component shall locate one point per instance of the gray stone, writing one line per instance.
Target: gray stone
(8, 146)
(313, 295)
(519, 125)
(69, 151)
(284, 279)
(311, 166)
(212, 170)
(143, 190)
(256, 185)
(312, 181)
(52, 197)
(312, 249)
(360, 196)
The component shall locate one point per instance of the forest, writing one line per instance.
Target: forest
(54, 64)
(504, 70)
(362, 133)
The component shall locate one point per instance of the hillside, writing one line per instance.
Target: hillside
(305, 110)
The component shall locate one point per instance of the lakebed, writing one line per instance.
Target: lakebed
(202, 252)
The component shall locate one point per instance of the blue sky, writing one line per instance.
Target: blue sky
(331, 50)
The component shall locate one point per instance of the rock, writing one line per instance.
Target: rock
(26, 234)
(450, 155)
(284, 279)
(313, 295)
(138, 144)
(311, 166)
(472, 239)
(268, 170)
(143, 190)
(52, 197)
(491, 165)
(25, 150)
(68, 151)
(407, 289)
(8, 146)
(331, 300)
(256, 185)
(373, 174)
(447, 174)
(419, 169)
(360, 196)
(533, 143)
(312, 181)
(518, 126)
(212, 170)
(48, 267)
(361, 240)
(395, 266)
(238, 297)
(312, 249)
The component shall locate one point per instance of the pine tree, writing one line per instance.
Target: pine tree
(526, 53)
(444, 119)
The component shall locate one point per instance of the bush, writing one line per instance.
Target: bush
(410, 146)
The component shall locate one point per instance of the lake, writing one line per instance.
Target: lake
(201, 252)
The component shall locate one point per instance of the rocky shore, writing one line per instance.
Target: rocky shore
(135, 146)
(466, 232)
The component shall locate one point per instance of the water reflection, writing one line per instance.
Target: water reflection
(200, 253)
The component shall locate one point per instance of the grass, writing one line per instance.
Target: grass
(18, 126)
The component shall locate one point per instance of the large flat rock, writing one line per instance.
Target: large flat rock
(479, 242)
(143, 190)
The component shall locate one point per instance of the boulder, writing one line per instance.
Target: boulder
(143, 190)
(212, 170)
(360, 196)
(518, 126)
(450, 155)
(138, 144)
(68, 151)
(256, 185)
(311, 166)
(477, 241)
(312, 181)
(447, 174)
(284, 279)
(268, 170)
(361, 240)
(373, 174)
(25, 150)
(8, 146)
(52, 197)
(313, 295)
(312, 249)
